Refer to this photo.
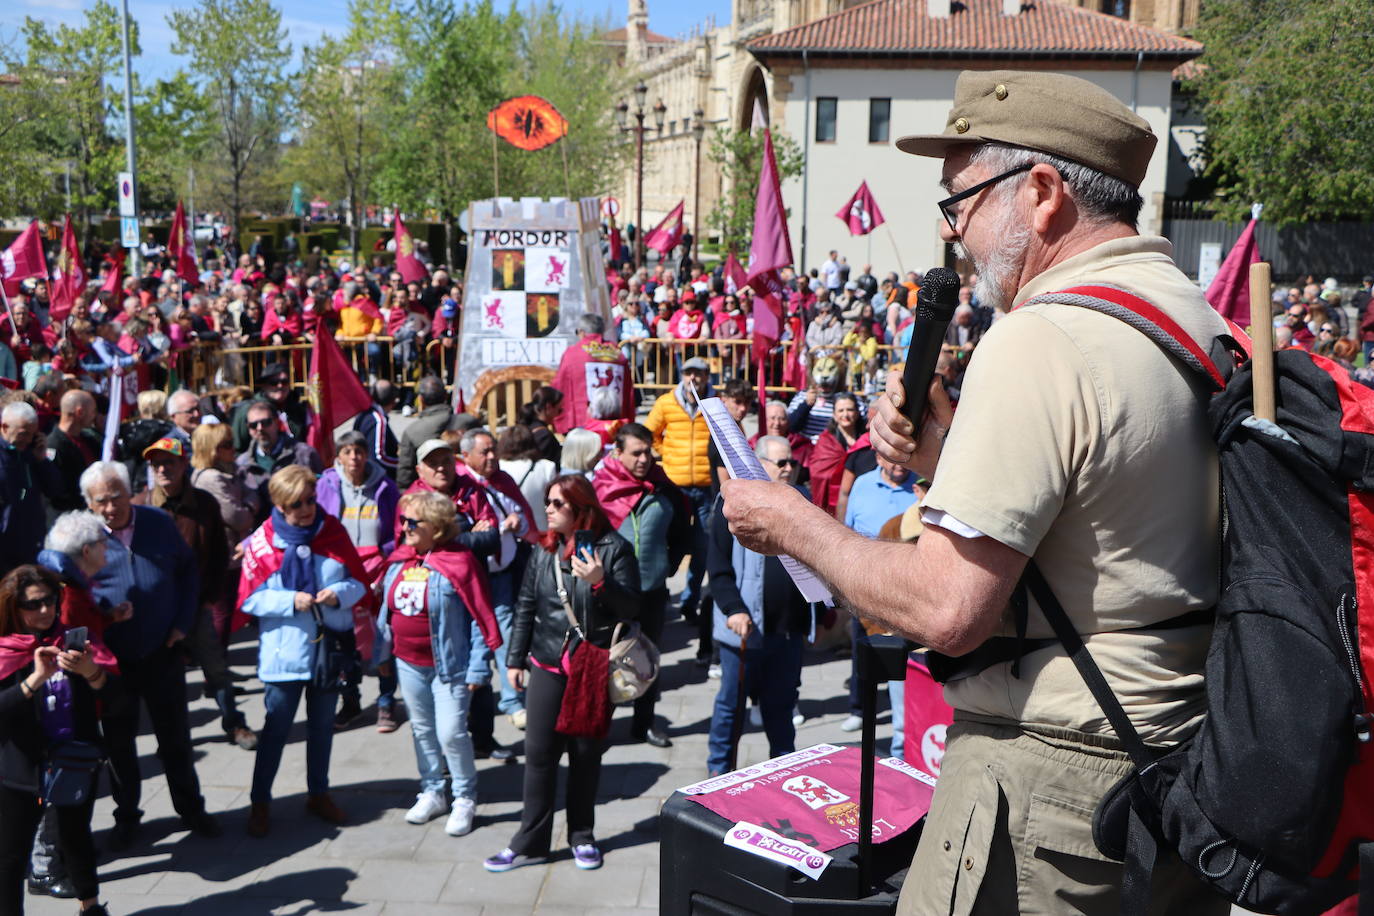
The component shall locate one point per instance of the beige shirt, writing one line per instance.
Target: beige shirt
(1081, 443)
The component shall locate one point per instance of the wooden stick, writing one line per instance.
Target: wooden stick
(495, 167)
(567, 181)
(1262, 338)
(893, 239)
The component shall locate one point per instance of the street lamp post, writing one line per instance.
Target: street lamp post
(698, 132)
(622, 112)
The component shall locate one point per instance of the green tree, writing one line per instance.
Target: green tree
(739, 155)
(174, 129)
(348, 88)
(27, 183)
(1287, 90)
(239, 56)
(68, 74)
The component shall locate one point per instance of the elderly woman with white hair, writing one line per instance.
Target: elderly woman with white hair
(582, 452)
(26, 476)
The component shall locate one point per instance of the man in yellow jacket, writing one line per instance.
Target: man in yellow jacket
(683, 440)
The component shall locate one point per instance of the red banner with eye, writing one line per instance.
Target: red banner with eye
(528, 122)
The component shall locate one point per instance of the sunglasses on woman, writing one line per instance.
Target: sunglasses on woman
(301, 503)
(37, 604)
(554, 502)
(410, 524)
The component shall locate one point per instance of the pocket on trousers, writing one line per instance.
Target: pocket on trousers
(1061, 867)
(951, 862)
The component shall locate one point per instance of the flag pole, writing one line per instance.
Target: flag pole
(495, 167)
(567, 181)
(1262, 343)
(893, 239)
(10, 314)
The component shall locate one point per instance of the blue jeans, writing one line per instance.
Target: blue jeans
(773, 672)
(896, 692)
(503, 602)
(700, 498)
(439, 725)
(281, 699)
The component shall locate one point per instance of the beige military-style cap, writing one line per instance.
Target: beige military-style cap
(1051, 112)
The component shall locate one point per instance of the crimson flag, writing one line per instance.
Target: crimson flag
(735, 278)
(861, 213)
(668, 233)
(770, 249)
(335, 394)
(114, 280)
(1229, 292)
(23, 259)
(409, 266)
(68, 275)
(615, 244)
(181, 248)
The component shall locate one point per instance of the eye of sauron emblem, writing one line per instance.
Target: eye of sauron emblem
(527, 122)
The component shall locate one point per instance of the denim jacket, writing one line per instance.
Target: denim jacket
(454, 637)
(285, 642)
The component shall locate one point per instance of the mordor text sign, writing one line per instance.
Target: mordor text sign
(534, 267)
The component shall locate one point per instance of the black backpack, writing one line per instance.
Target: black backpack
(1271, 801)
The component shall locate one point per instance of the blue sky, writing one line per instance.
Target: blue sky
(305, 20)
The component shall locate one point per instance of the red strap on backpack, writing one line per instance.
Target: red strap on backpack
(1149, 320)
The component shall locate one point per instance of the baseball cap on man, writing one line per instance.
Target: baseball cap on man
(696, 362)
(166, 444)
(1054, 113)
(429, 447)
(271, 372)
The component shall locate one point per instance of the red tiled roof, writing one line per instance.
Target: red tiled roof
(621, 35)
(975, 28)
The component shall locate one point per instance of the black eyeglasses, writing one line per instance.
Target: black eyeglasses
(784, 463)
(410, 524)
(947, 205)
(554, 502)
(37, 604)
(279, 382)
(260, 424)
(301, 503)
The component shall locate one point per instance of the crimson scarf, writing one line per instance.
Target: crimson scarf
(620, 491)
(504, 484)
(16, 650)
(469, 579)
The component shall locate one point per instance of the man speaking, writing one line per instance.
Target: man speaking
(1078, 443)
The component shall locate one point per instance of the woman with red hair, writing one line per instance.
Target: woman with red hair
(558, 665)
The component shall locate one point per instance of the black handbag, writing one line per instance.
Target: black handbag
(69, 777)
(336, 661)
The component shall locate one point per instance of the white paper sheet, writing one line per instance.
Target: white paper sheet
(742, 463)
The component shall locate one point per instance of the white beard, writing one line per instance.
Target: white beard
(1002, 267)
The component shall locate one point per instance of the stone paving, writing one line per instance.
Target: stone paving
(377, 863)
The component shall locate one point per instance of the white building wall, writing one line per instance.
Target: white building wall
(907, 187)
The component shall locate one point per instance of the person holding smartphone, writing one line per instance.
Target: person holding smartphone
(596, 568)
(50, 679)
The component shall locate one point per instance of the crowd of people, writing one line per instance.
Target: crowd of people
(455, 569)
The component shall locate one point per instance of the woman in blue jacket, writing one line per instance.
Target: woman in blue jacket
(439, 622)
(300, 563)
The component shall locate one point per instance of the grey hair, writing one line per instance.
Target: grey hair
(102, 471)
(581, 450)
(1100, 198)
(761, 446)
(469, 440)
(591, 323)
(19, 412)
(180, 394)
(74, 531)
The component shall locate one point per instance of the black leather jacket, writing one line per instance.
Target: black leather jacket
(539, 625)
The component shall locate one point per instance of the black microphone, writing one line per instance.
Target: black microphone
(935, 304)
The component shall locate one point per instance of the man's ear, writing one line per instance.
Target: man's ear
(1045, 186)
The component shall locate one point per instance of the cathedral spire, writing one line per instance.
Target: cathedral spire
(636, 25)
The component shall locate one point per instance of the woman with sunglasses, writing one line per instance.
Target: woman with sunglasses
(602, 587)
(299, 570)
(440, 624)
(48, 695)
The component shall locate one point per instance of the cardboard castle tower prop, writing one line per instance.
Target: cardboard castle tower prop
(534, 266)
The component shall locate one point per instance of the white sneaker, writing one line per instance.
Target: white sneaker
(713, 671)
(460, 818)
(517, 719)
(428, 806)
(797, 717)
(755, 717)
(852, 724)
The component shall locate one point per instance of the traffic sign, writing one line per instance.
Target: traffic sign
(610, 207)
(128, 231)
(125, 191)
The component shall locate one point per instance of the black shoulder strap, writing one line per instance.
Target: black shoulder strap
(1130, 739)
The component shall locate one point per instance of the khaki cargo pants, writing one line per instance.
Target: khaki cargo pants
(1010, 831)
